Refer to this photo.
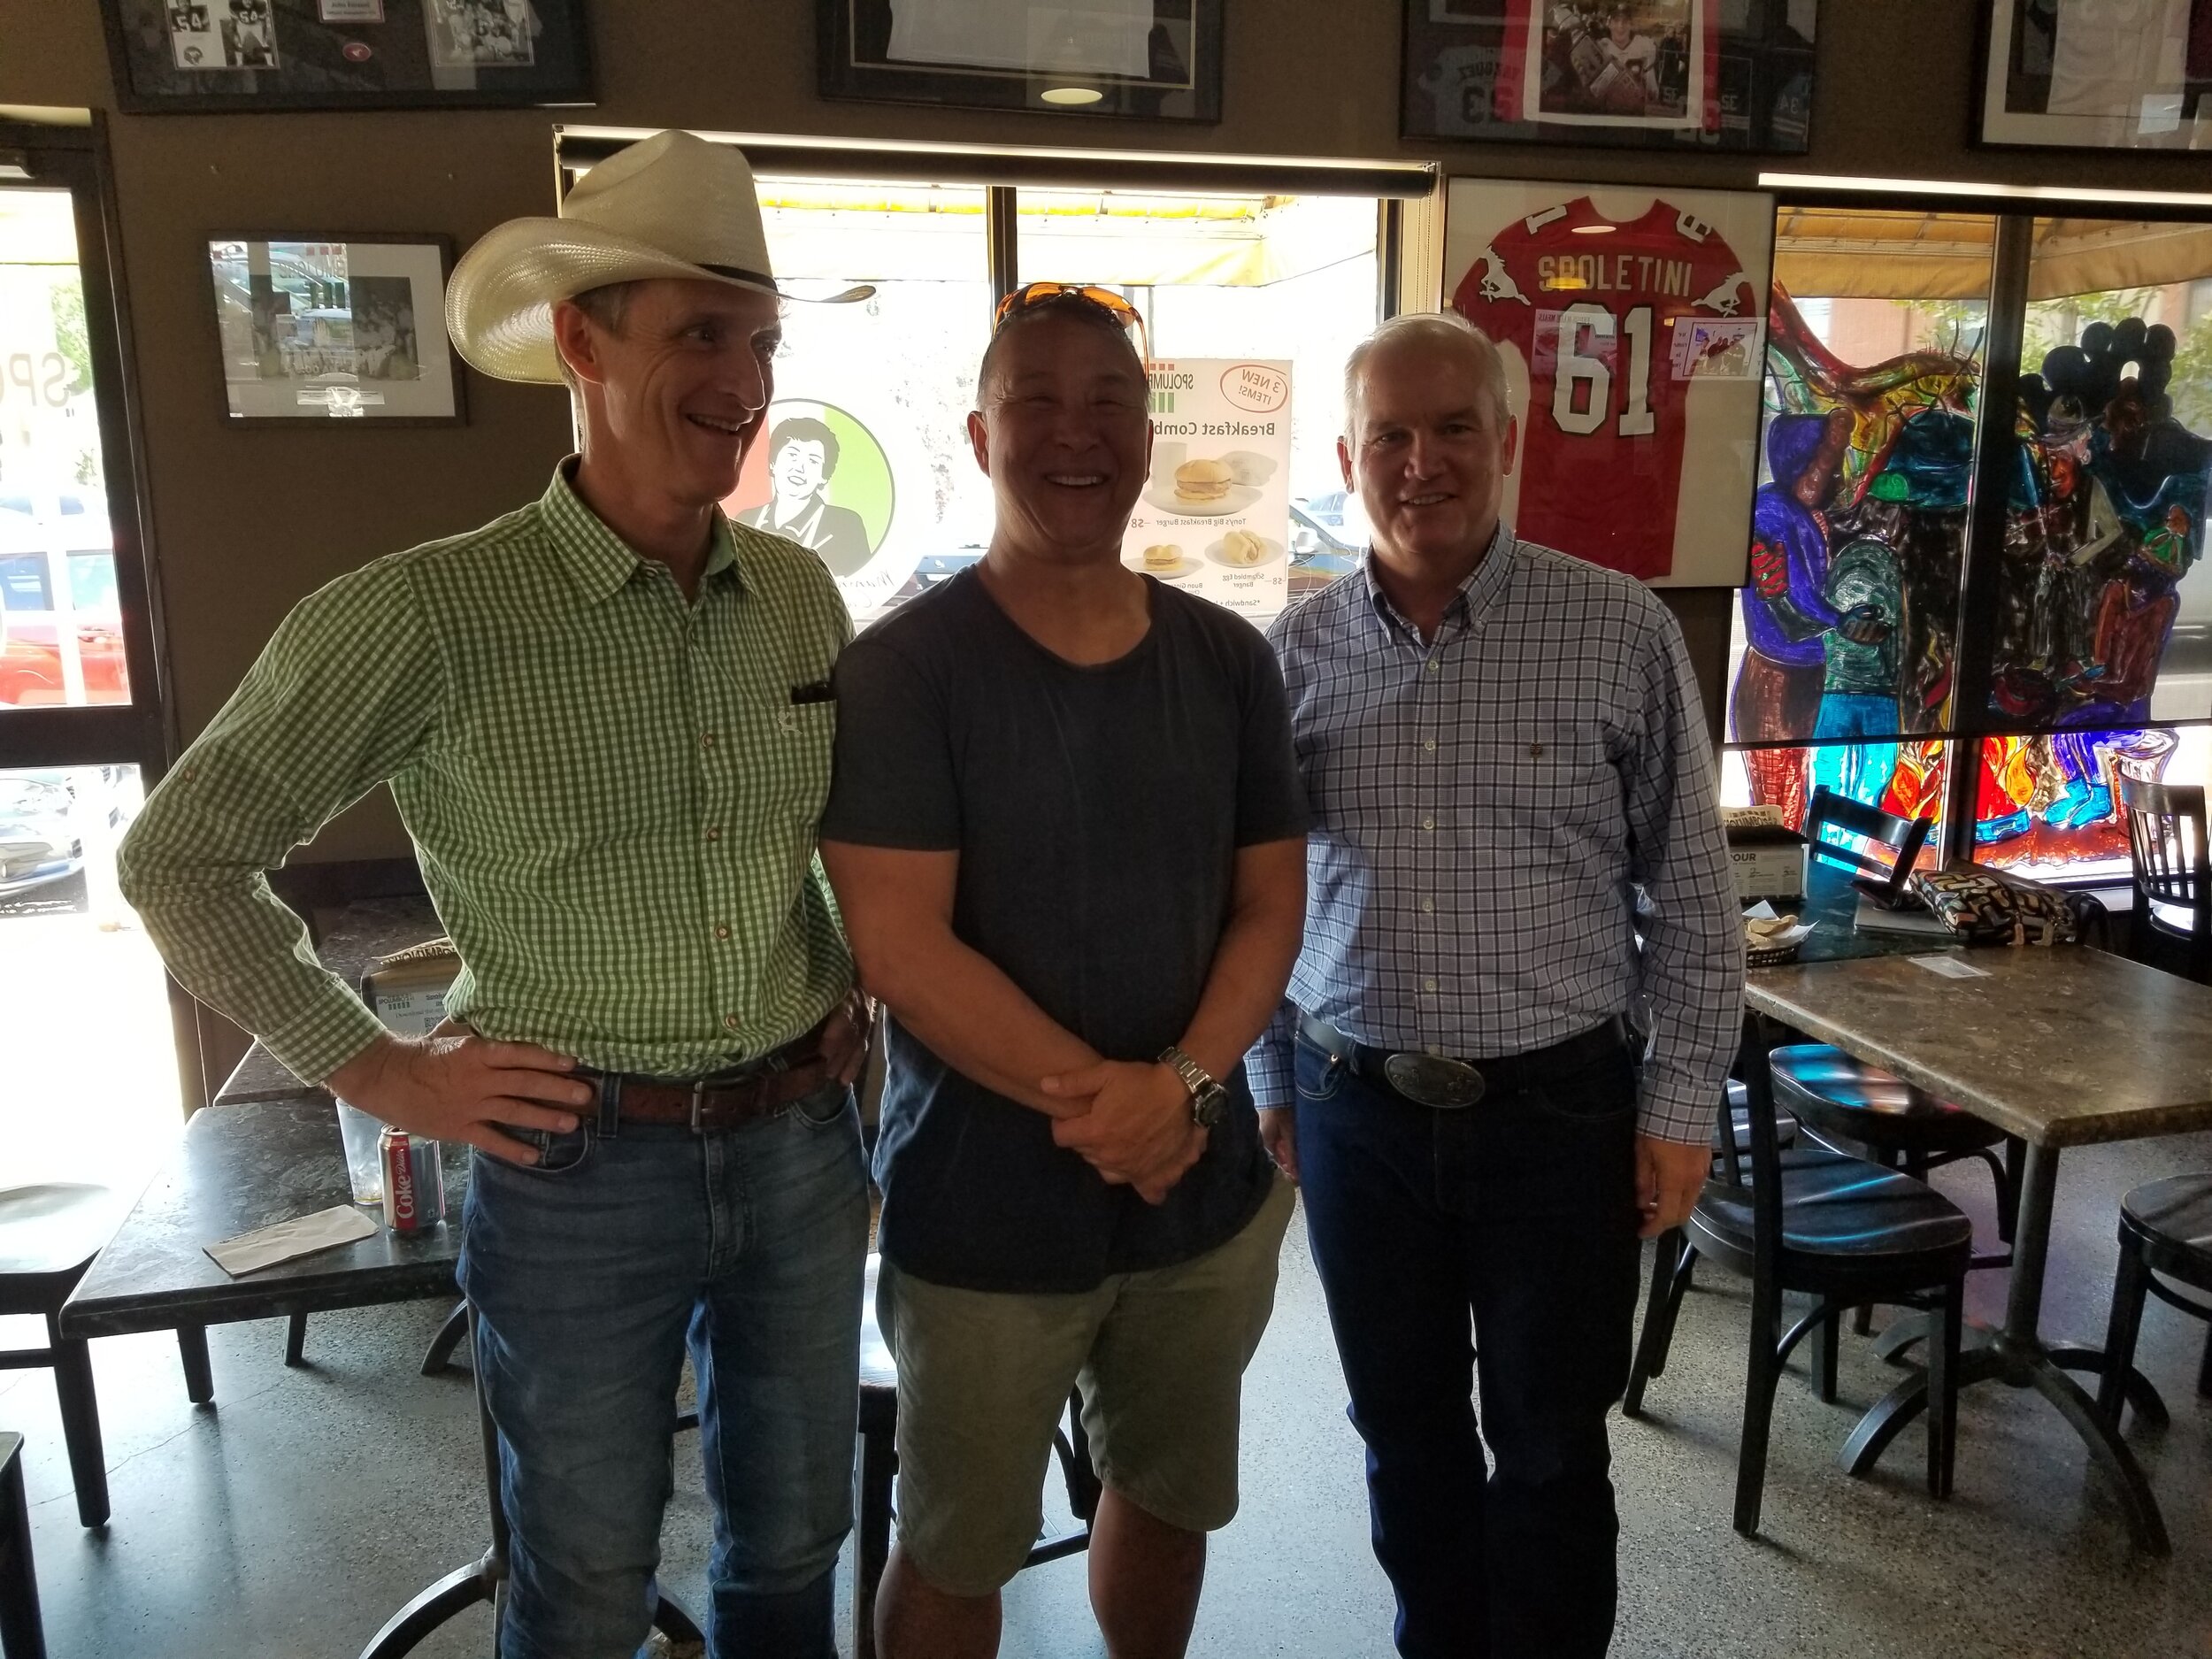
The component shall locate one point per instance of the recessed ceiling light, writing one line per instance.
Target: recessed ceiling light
(1070, 94)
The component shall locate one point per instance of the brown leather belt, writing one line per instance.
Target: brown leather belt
(724, 1100)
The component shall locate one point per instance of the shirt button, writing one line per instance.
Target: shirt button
(722, 931)
(715, 833)
(1428, 823)
(729, 1021)
(1428, 985)
(707, 741)
(1428, 743)
(1428, 907)
(1433, 1049)
(1435, 667)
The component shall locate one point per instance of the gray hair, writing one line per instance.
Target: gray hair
(607, 305)
(1437, 332)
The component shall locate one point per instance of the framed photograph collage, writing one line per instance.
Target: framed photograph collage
(1710, 75)
(243, 55)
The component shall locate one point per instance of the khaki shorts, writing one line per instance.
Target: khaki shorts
(984, 1375)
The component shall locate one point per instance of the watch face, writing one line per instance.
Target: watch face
(1206, 1107)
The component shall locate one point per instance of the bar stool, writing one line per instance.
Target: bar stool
(2165, 1227)
(48, 1234)
(878, 1466)
(22, 1636)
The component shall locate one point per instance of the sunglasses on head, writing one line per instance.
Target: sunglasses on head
(1034, 293)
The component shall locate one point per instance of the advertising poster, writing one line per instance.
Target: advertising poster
(1215, 514)
(1632, 326)
(822, 478)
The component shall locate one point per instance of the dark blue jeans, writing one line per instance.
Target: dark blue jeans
(1517, 1216)
(590, 1273)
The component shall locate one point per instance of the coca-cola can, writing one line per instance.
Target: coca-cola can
(414, 1181)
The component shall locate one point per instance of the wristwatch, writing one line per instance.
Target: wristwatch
(1208, 1099)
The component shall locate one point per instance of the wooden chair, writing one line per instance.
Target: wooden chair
(1904, 837)
(48, 1234)
(878, 1466)
(2167, 857)
(2165, 1228)
(1855, 1106)
(1817, 1223)
(22, 1636)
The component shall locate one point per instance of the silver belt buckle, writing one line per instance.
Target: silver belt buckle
(698, 1101)
(1431, 1080)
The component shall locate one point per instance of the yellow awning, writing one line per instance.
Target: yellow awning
(1842, 253)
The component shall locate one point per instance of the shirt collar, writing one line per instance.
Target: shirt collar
(598, 560)
(1476, 594)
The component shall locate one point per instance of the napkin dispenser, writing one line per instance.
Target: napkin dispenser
(1769, 860)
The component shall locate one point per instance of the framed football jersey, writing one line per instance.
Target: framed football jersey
(1632, 325)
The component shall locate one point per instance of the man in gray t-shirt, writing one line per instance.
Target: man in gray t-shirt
(1068, 838)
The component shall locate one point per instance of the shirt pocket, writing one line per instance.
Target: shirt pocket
(1538, 776)
(805, 741)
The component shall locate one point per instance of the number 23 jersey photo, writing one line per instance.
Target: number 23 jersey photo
(1594, 307)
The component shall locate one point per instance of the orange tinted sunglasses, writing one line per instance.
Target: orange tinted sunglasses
(1044, 293)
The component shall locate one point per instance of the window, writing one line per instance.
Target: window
(867, 458)
(1845, 640)
(52, 496)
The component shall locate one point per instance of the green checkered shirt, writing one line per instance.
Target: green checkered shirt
(611, 793)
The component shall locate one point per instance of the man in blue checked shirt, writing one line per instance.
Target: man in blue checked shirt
(1499, 744)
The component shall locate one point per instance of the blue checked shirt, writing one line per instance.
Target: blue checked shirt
(1485, 806)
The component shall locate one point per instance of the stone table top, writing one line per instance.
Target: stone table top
(242, 1167)
(368, 929)
(2061, 1046)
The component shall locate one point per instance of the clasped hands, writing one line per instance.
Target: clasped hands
(1130, 1121)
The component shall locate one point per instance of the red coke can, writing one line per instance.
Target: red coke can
(414, 1181)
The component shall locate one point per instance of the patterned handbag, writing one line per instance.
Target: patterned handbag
(1982, 906)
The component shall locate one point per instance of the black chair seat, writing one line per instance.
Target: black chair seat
(1836, 1095)
(1843, 1209)
(2170, 1222)
(54, 1227)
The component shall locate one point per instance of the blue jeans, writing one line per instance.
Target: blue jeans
(590, 1273)
(1517, 1216)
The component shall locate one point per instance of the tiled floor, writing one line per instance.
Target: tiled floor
(291, 1519)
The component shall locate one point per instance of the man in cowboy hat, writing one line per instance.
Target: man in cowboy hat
(606, 719)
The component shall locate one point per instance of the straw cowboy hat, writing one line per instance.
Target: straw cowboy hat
(671, 206)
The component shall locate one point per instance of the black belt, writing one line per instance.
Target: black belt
(1442, 1084)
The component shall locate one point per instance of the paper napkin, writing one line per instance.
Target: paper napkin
(302, 1236)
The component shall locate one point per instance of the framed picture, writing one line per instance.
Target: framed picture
(1710, 75)
(1632, 323)
(219, 55)
(335, 328)
(1149, 59)
(2097, 74)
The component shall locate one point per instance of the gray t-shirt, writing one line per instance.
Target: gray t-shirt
(1097, 812)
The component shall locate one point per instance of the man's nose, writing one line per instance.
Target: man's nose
(750, 380)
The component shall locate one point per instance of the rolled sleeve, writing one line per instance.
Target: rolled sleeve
(1692, 959)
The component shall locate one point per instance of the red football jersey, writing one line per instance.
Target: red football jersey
(1594, 308)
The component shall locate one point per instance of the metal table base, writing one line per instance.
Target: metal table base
(2016, 1355)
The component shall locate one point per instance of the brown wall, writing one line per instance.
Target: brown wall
(244, 522)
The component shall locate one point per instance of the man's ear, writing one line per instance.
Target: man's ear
(1344, 462)
(576, 339)
(980, 440)
(1508, 444)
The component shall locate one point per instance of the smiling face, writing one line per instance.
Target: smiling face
(1428, 452)
(1065, 436)
(800, 467)
(675, 395)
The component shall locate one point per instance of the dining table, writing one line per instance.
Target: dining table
(2059, 1045)
(245, 1165)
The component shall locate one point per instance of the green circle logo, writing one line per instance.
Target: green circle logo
(820, 477)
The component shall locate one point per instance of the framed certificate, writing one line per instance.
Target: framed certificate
(2097, 74)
